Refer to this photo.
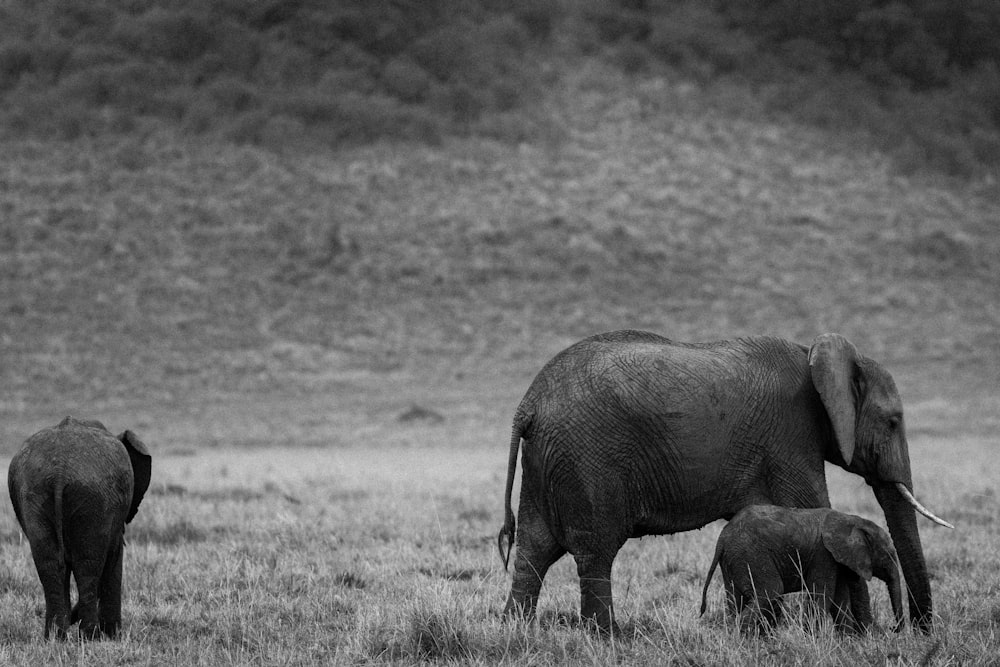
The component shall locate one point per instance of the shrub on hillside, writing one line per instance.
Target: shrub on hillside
(281, 132)
(162, 33)
(445, 52)
(355, 118)
(616, 20)
(233, 95)
(631, 57)
(52, 116)
(201, 115)
(477, 67)
(40, 60)
(692, 33)
(539, 17)
(459, 101)
(69, 19)
(111, 90)
(406, 80)
(236, 50)
(865, 65)
(15, 60)
(346, 80)
(285, 65)
(920, 42)
(217, 64)
(86, 56)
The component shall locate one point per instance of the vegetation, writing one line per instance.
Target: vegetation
(354, 554)
(321, 322)
(920, 78)
(271, 73)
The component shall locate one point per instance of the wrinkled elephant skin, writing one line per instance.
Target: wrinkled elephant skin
(767, 551)
(628, 434)
(74, 487)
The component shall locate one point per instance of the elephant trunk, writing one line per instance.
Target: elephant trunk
(902, 522)
(895, 597)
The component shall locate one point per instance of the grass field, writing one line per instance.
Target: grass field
(380, 546)
(324, 349)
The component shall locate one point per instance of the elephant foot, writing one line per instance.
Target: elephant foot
(57, 625)
(110, 630)
(924, 624)
(760, 618)
(849, 627)
(520, 610)
(598, 614)
(90, 631)
(607, 630)
(596, 602)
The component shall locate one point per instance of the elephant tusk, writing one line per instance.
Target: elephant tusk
(920, 508)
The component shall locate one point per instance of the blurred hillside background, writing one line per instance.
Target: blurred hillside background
(919, 78)
(212, 196)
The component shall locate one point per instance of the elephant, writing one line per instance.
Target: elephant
(74, 487)
(628, 433)
(767, 551)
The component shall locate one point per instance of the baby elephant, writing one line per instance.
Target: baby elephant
(766, 551)
(74, 487)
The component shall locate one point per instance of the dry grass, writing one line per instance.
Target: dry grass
(386, 553)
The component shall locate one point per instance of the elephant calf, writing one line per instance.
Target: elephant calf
(74, 487)
(766, 551)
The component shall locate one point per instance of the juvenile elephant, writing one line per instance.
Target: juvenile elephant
(767, 551)
(629, 434)
(74, 487)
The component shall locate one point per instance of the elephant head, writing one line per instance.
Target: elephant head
(866, 416)
(863, 547)
(142, 469)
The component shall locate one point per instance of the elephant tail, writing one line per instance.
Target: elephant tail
(708, 579)
(509, 523)
(57, 506)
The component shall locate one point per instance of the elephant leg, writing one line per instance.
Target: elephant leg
(110, 595)
(861, 605)
(88, 566)
(87, 586)
(758, 592)
(596, 605)
(90, 539)
(734, 600)
(536, 551)
(54, 576)
(772, 610)
(851, 604)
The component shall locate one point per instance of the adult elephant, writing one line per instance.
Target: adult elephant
(629, 434)
(74, 487)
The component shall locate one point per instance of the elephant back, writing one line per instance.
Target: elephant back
(81, 457)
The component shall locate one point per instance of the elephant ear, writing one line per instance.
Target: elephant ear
(831, 363)
(142, 470)
(847, 543)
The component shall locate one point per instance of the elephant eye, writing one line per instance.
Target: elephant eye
(895, 421)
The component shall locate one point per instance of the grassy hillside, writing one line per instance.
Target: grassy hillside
(150, 267)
